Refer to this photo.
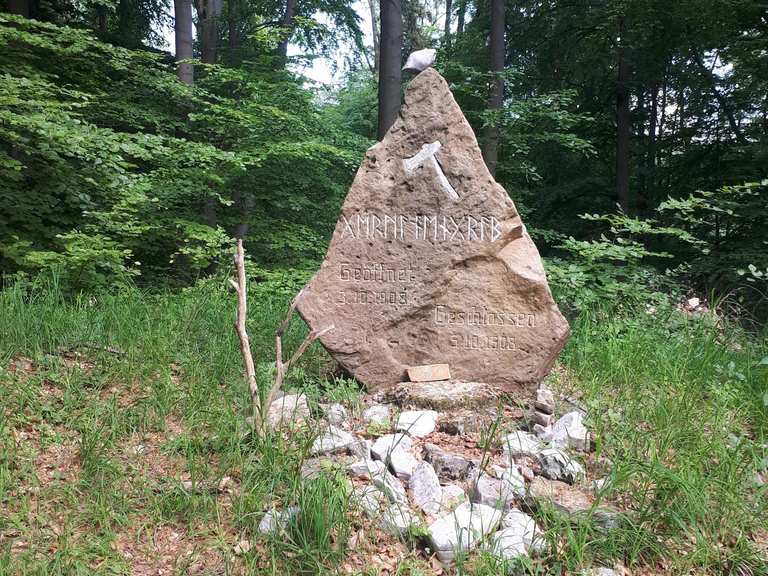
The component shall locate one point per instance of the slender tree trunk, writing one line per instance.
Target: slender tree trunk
(286, 23)
(374, 7)
(460, 18)
(183, 38)
(233, 33)
(623, 124)
(725, 105)
(20, 7)
(447, 32)
(208, 12)
(653, 118)
(491, 140)
(391, 19)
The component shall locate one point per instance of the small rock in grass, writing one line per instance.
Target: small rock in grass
(526, 527)
(447, 466)
(288, 409)
(417, 423)
(391, 487)
(335, 413)
(396, 519)
(378, 414)
(543, 433)
(360, 448)
(274, 521)
(402, 464)
(462, 529)
(333, 440)
(452, 496)
(369, 499)
(545, 401)
(558, 465)
(497, 492)
(519, 443)
(569, 432)
(388, 443)
(365, 469)
(541, 418)
(425, 488)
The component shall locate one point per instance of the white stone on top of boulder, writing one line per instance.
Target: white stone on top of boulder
(462, 529)
(420, 60)
(397, 518)
(333, 440)
(402, 464)
(569, 432)
(425, 488)
(391, 487)
(335, 413)
(417, 423)
(388, 443)
(558, 465)
(366, 469)
(378, 414)
(274, 521)
(520, 443)
(288, 409)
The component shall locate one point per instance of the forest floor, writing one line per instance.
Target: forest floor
(124, 447)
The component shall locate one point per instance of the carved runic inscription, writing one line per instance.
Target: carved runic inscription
(430, 262)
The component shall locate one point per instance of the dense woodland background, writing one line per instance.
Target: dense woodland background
(633, 135)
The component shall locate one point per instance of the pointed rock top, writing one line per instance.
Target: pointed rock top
(430, 262)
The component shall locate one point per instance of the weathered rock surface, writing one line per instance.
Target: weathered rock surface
(569, 432)
(402, 464)
(391, 487)
(334, 440)
(430, 262)
(518, 536)
(388, 443)
(520, 443)
(288, 409)
(497, 492)
(378, 413)
(335, 413)
(417, 423)
(366, 469)
(462, 529)
(425, 488)
(274, 521)
(448, 466)
(558, 465)
(572, 501)
(445, 395)
(397, 518)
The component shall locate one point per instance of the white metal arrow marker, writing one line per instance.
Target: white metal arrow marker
(427, 155)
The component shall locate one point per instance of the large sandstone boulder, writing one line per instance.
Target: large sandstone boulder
(430, 262)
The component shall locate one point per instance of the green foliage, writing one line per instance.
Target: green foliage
(119, 162)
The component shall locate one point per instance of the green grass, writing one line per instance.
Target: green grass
(104, 454)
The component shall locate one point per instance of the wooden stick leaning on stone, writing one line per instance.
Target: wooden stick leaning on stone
(282, 368)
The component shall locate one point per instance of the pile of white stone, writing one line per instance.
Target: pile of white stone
(462, 505)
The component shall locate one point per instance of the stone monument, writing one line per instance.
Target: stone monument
(430, 262)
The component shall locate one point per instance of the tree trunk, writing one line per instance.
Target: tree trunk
(372, 5)
(391, 19)
(20, 7)
(233, 34)
(623, 124)
(287, 24)
(208, 12)
(183, 38)
(725, 105)
(653, 118)
(447, 32)
(491, 140)
(461, 16)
